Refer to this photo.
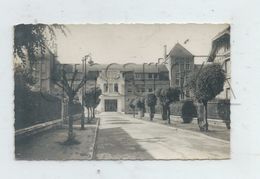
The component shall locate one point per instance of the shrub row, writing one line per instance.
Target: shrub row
(34, 107)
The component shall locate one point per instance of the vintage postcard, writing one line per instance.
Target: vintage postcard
(122, 91)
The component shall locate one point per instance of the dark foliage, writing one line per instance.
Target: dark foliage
(91, 101)
(91, 98)
(166, 97)
(33, 39)
(209, 83)
(188, 111)
(151, 101)
(30, 107)
(140, 103)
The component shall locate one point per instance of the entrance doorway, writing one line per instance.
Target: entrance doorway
(110, 105)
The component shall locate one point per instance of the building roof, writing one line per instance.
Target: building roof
(148, 68)
(179, 50)
(223, 34)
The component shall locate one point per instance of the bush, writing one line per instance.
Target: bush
(140, 105)
(151, 101)
(166, 98)
(188, 111)
(32, 108)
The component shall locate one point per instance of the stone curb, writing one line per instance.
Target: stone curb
(95, 141)
(184, 130)
(32, 130)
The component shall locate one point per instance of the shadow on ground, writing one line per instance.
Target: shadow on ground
(116, 144)
(48, 146)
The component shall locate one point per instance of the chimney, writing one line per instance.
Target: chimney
(165, 51)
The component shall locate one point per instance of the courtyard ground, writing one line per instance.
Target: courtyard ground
(124, 137)
(49, 145)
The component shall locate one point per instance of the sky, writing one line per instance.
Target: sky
(136, 43)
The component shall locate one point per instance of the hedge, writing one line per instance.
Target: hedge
(35, 107)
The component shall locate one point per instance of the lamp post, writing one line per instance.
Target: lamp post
(84, 74)
(144, 74)
(83, 91)
(157, 76)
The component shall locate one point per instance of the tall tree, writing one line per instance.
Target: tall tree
(209, 83)
(91, 101)
(140, 105)
(33, 39)
(132, 106)
(151, 101)
(166, 97)
(66, 80)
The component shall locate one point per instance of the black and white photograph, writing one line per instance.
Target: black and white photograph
(129, 89)
(122, 91)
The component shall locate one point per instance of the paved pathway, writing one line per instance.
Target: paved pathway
(124, 137)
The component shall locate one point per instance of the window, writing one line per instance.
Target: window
(177, 75)
(150, 89)
(182, 67)
(138, 75)
(177, 82)
(177, 67)
(182, 81)
(150, 75)
(110, 87)
(105, 87)
(155, 75)
(129, 90)
(187, 66)
(115, 87)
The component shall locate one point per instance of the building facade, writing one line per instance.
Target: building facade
(43, 68)
(220, 53)
(143, 79)
(122, 83)
(180, 63)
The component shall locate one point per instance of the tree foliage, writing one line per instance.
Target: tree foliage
(132, 105)
(206, 86)
(92, 100)
(166, 97)
(140, 103)
(91, 97)
(210, 83)
(33, 39)
(67, 81)
(151, 101)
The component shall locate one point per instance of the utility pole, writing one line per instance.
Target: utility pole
(83, 91)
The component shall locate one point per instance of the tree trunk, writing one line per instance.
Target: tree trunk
(134, 113)
(206, 115)
(141, 113)
(94, 116)
(152, 111)
(91, 111)
(168, 114)
(88, 114)
(203, 117)
(164, 112)
(70, 132)
(82, 119)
